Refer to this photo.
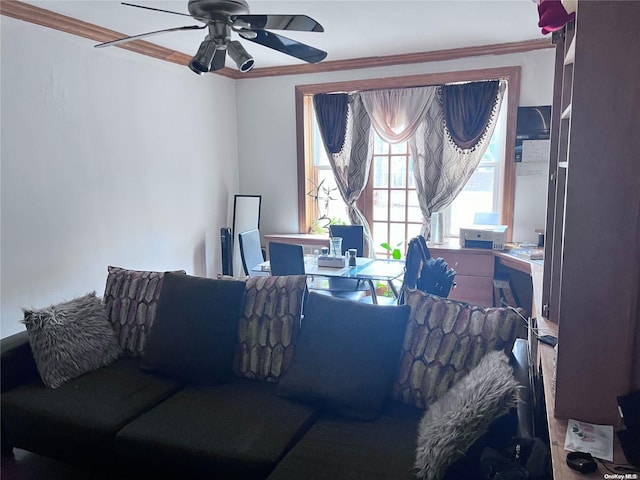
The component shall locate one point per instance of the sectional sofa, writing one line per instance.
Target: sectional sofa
(257, 378)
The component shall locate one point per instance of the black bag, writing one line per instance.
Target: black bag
(525, 458)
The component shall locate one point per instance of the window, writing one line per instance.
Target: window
(390, 201)
(394, 215)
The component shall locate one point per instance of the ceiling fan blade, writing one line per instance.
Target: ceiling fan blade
(218, 60)
(148, 34)
(288, 46)
(155, 9)
(165, 11)
(301, 23)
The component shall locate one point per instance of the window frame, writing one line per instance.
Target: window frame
(511, 74)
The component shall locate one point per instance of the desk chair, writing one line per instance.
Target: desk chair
(250, 251)
(352, 237)
(286, 259)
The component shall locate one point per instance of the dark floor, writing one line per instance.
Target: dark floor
(25, 465)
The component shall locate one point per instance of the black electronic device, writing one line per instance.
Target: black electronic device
(533, 123)
(548, 340)
(226, 248)
(581, 462)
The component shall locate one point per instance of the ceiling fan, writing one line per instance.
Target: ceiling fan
(221, 18)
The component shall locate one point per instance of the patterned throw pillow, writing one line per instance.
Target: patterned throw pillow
(70, 339)
(130, 298)
(444, 341)
(269, 326)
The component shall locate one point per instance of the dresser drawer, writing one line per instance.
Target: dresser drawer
(474, 263)
(474, 290)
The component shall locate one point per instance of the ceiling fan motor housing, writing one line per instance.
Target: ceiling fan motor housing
(221, 18)
(212, 9)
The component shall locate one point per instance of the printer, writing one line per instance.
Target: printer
(484, 236)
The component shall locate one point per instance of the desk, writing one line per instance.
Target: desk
(367, 269)
(557, 427)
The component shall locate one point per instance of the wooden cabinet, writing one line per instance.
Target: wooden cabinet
(474, 273)
(592, 256)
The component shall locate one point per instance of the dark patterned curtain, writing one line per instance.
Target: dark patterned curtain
(467, 110)
(441, 167)
(331, 113)
(349, 158)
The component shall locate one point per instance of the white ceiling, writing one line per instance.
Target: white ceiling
(353, 29)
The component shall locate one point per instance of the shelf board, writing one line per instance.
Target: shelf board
(570, 56)
(567, 113)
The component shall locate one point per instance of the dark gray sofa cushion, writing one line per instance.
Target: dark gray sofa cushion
(235, 430)
(80, 418)
(338, 448)
(195, 330)
(346, 356)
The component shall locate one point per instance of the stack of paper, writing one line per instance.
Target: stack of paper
(590, 438)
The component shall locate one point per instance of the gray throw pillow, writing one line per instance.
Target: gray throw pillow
(464, 413)
(70, 339)
(346, 356)
(196, 329)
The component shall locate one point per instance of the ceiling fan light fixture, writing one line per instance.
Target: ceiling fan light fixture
(240, 56)
(201, 61)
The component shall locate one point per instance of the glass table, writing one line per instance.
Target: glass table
(370, 270)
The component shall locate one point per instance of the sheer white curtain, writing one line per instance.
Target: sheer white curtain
(396, 113)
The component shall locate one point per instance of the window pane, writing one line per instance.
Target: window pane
(398, 205)
(380, 172)
(398, 172)
(414, 214)
(411, 180)
(380, 205)
(397, 236)
(401, 148)
(380, 235)
(413, 230)
(330, 202)
(379, 146)
(477, 196)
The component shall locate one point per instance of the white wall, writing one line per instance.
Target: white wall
(267, 135)
(107, 158)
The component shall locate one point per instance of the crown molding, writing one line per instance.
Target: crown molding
(47, 18)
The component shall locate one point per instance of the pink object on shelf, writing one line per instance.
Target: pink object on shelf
(553, 16)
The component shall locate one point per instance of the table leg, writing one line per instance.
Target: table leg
(372, 287)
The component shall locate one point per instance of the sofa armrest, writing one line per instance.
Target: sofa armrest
(520, 364)
(17, 365)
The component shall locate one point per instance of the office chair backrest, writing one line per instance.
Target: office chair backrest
(436, 278)
(424, 272)
(250, 250)
(286, 259)
(417, 255)
(352, 237)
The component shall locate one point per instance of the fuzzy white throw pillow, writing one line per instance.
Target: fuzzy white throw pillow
(70, 339)
(463, 414)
